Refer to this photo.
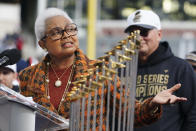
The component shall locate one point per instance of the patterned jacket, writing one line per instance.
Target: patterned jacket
(32, 83)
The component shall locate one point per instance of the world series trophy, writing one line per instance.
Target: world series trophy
(98, 101)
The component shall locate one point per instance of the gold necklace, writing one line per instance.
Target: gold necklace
(66, 88)
(58, 82)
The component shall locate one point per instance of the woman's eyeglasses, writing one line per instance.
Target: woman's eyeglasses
(57, 33)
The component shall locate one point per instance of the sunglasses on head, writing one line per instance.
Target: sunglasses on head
(143, 31)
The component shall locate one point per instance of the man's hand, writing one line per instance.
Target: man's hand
(166, 97)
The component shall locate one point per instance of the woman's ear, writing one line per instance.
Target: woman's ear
(41, 44)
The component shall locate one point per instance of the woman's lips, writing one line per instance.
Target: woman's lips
(67, 45)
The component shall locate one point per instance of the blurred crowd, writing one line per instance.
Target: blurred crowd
(15, 40)
(8, 74)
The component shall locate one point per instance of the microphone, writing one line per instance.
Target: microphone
(9, 57)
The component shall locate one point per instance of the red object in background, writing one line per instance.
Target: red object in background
(19, 43)
(30, 60)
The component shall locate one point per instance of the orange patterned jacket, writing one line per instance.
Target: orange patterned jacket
(32, 84)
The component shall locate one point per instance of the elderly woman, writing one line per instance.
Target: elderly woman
(49, 81)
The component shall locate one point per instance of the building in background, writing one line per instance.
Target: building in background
(9, 19)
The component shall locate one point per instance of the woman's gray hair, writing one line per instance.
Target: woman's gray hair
(41, 18)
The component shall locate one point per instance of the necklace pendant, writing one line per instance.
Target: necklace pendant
(48, 97)
(58, 83)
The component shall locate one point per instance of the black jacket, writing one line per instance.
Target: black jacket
(162, 71)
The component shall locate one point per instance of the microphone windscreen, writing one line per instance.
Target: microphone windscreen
(14, 56)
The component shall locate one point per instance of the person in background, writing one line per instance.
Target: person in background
(158, 70)
(191, 58)
(8, 77)
(49, 81)
(21, 64)
(9, 73)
